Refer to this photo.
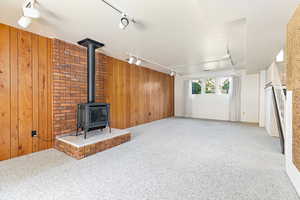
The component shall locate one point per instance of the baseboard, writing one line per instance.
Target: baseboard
(219, 120)
(206, 119)
(294, 175)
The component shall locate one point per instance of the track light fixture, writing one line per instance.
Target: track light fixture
(24, 22)
(125, 19)
(134, 59)
(138, 62)
(29, 12)
(131, 60)
(124, 22)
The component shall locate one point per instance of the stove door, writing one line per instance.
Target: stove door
(98, 115)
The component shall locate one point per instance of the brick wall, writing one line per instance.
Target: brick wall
(70, 83)
(293, 77)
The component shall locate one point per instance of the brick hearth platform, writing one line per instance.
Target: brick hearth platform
(97, 141)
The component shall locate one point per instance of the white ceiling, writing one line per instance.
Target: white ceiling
(175, 33)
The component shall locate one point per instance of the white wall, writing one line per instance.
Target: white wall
(270, 115)
(205, 106)
(210, 106)
(250, 98)
(262, 104)
(179, 96)
(291, 169)
(216, 106)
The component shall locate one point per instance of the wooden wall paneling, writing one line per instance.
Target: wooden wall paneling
(120, 94)
(50, 96)
(35, 90)
(124, 94)
(162, 83)
(43, 93)
(166, 96)
(25, 92)
(153, 97)
(150, 117)
(121, 99)
(14, 102)
(113, 93)
(127, 95)
(141, 108)
(4, 93)
(157, 92)
(172, 96)
(133, 95)
(147, 94)
(143, 95)
(169, 97)
(145, 117)
(159, 95)
(136, 94)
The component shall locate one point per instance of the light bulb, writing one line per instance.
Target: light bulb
(24, 21)
(138, 62)
(123, 23)
(131, 60)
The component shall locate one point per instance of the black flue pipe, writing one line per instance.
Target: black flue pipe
(91, 46)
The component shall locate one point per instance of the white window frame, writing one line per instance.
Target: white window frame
(217, 85)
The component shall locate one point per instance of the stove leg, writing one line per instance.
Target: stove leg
(85, 134)
(77, 131)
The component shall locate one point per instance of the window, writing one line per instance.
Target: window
(210, 86)
(196, 87)
(224, 85)
(280, 56)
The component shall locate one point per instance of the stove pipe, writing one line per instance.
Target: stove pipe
(91, 46)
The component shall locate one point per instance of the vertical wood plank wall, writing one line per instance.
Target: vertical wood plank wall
(293, 77)
(136, 94)
(25, 92)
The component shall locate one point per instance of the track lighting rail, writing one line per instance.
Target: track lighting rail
(113, 7)
(119, 11)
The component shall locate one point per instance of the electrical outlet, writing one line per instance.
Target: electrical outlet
(33, 133)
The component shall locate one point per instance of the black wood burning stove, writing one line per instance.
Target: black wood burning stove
(92, 115)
